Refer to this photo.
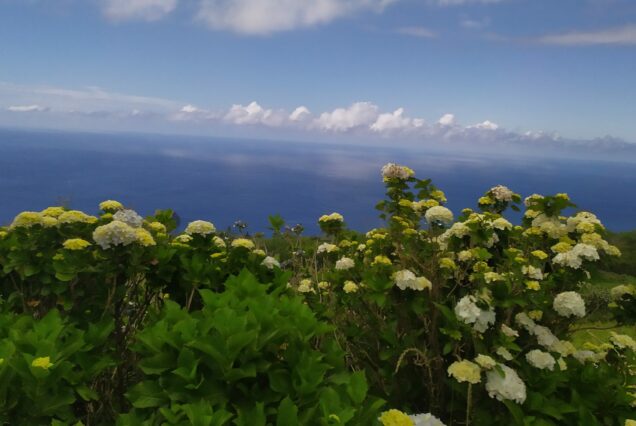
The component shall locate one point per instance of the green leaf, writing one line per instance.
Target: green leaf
(357, 387)
(287, 413)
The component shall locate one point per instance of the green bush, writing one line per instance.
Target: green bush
(252, 355)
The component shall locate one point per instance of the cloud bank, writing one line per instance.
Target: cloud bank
(96, 108)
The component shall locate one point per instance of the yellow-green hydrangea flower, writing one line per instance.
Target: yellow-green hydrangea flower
(333, 217)
(53, 211)
(243, 242)
(305, 286)
(533, 285)
(157, 227)
(350, 287)
(76, 216)
(183, 238)
(145, 238)
(381, 260)
(485, 362)
(395, 418)
(75, 244)
(535, 315)
(539, 254)
(42, 362)
(26, 220)
(3, 234)
(465, 371)
(485, 201)
(110, 206)
(439, 196)
(200, 227)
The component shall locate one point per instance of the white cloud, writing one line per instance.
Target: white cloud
(190, 109)
(344, 119)
(474, 24)
(144, 10)
(255, 114)
(486, 125)
(27, 108)
(461, 2)
(422, 32)
(622, 36)
(258, 17)
(300, 114)
(395, 122)
(446, 120)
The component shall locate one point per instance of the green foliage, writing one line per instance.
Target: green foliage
(252, 354)
(63, 382)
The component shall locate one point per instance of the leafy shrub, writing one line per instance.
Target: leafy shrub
(252, 355)
(47, 366)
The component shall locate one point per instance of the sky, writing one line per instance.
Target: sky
(504, 71)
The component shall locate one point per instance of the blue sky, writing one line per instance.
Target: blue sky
(413, 69)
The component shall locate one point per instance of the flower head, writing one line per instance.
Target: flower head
(506, 387)
(395, 171)
(243, 242)
(438, 214)
(395, 418)
(42, 362)
(115, 233)
(75, 244)
(26, 220)
(569, 303)
(350, 287)
(541, 360)
(465, 371)
(269, 262)
(129, 217)
(110, 206)
(344, 263)
(200, 227)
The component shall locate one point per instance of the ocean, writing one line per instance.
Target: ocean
(224, 180)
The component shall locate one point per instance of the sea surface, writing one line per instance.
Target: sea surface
(224, 180)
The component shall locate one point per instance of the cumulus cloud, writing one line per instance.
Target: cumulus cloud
(446, 120)
(619, 36)
(421, 32)
(258, 17)
(486, 125)
(144, 10)
(344, 119)
(27, 108)
(300, 114)
(395, 122)
(255, 114)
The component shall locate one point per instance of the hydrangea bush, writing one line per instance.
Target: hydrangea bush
(436, 318)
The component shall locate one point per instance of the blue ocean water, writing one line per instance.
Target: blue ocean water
(223, 180)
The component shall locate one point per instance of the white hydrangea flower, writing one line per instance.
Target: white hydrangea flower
(544, 336)
(501, 224)
(439, 213)
(529, 200)
(426, 419)
(115, 233)
(501, 193)
(588, 356)
(569, 303)
(508, 387)
(200, 227)
(395, 171)
(269, 262)
(129, 217)
(469, 313)
(345, 263)
(549, 225)
(510, 332)
(525, 321)
(326, 248)
(582, 217)
(406, 279)
(532, 272)
(540, 359)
